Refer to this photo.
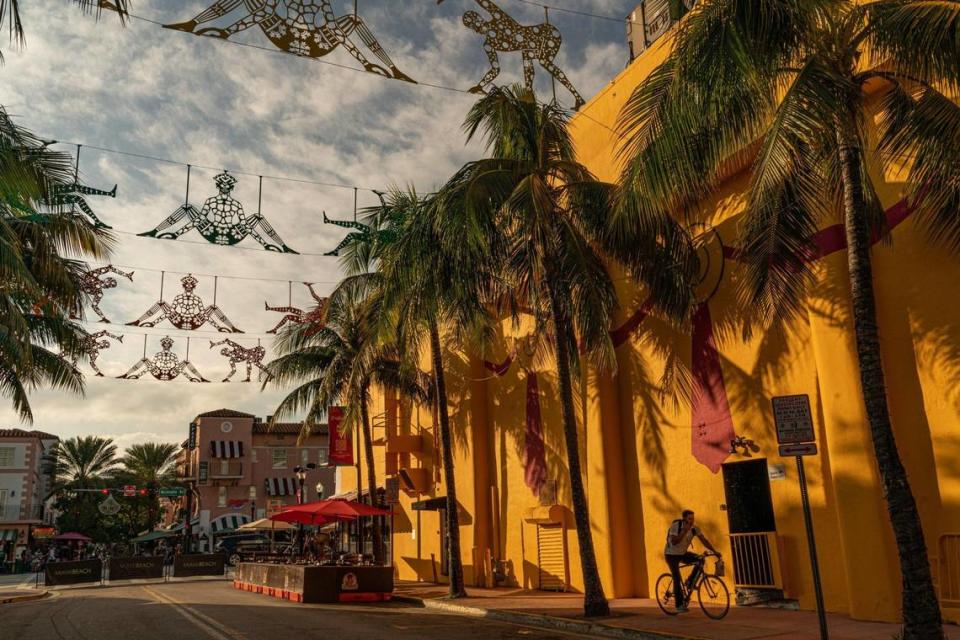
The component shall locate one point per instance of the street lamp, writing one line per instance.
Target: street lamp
(319, 491)
(301, 474)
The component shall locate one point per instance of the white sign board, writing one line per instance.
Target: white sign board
(802, 449)
(129, 491)
(776, 471)
(793, 419)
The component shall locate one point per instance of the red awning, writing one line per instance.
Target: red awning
(324, 511)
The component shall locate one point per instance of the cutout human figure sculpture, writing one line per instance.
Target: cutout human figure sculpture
(299, 316)
(253, 357)
(187, 311)
(307, 28)
(91, 345)
(220, 221)
(164, 366)
(382, 234)
(72, 194)
(93, 286)
(536, 43)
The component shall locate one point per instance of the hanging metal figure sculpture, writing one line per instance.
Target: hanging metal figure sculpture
(93, 286)
(91, 345)
(63, 195)
(220, 221)
(299, 316)
(187, 311)
(307, 28)
(536, 43)
(164, 366)
(253, 357)
(382, 234)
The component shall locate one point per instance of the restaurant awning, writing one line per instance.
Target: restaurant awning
(228, 522)
(154, 535)
(179, 526)
(432, 504)
(281, 486)
(226, 449)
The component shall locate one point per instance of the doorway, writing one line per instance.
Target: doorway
(746, 486)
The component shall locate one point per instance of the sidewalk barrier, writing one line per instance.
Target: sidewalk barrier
(77, 572)
(137, 568)
(213, 564)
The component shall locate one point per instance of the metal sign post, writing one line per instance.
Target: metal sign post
(797, 437)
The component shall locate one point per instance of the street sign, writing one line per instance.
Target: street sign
(129, 491)
(171, 492)
(804, 449)
(192, 440)
(793, 419)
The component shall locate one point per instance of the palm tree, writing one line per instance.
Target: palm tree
(337, 362)
(149, 465)
(426, 286)
(10, 11)
(797, 83)
(540, 217)
(39, 270)
(81, 461)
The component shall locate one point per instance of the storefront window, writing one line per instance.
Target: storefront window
(6, 456)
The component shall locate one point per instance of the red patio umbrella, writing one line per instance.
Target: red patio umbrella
(324, 511)
(72, 536)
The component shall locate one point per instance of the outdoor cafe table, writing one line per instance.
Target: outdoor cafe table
(316, 583)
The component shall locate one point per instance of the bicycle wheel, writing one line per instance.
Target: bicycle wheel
(665, 599)
(714, 597)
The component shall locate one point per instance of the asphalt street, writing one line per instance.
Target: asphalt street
(206, 610)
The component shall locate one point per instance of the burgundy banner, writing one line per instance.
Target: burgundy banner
(341, 443)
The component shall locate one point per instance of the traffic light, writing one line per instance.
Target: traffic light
(143, 492)
(105, 492)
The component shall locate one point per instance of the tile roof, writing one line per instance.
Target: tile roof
(225, 413)
(23, 433)
(286, 428)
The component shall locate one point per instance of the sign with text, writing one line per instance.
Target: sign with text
(129, 491)
(192, 439)
(212, 564)
(793, 419)
(802, 449)
(341, 443)
(172, 492)
(57, 573)
(135, 568)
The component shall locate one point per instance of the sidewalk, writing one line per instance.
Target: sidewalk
(636, 618)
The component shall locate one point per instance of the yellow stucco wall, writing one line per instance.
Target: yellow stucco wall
(636, 444)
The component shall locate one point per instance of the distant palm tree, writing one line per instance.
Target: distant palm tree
(150, 465)
(541, 218)
(336, 363)
(80, 462)
(39, 270)
(799, 84)
(430, 290)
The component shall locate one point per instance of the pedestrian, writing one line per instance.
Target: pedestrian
(52, 554)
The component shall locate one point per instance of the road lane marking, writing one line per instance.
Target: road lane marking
(211, 627)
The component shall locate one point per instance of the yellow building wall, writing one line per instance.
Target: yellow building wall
(636, 441)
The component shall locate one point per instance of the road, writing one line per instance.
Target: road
(207, 610)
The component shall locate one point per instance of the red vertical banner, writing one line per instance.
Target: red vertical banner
(341, 443)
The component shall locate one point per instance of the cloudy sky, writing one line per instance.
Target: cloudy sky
(167, 94)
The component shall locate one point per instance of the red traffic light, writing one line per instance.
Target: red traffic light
(143, 492)
(105, 492)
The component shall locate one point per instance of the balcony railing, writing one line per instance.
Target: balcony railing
(651, 19)
(224, 469)
(15, 511)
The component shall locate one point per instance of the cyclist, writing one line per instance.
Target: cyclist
(679, 536)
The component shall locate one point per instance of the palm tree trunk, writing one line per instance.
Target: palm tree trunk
(594, 601)
(457, 589)
(921, 610)
(371, 476)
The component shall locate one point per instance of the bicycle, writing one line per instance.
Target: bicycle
(711, 591)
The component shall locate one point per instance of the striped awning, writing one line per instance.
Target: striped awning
(8, 535)
(194, 523)
(228, 522)
(226, 449)
(281, 486)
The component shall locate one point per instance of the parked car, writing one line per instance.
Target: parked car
(242, 547)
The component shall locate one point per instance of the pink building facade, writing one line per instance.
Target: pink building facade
(243, 470)
(25, 482)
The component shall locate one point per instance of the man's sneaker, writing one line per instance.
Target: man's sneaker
(683, 609)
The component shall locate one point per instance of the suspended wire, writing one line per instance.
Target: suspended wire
(578, 12)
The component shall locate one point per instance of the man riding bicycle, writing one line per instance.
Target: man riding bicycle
(679, 536)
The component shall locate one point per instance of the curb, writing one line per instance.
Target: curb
(541, 621)
(24, 598)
